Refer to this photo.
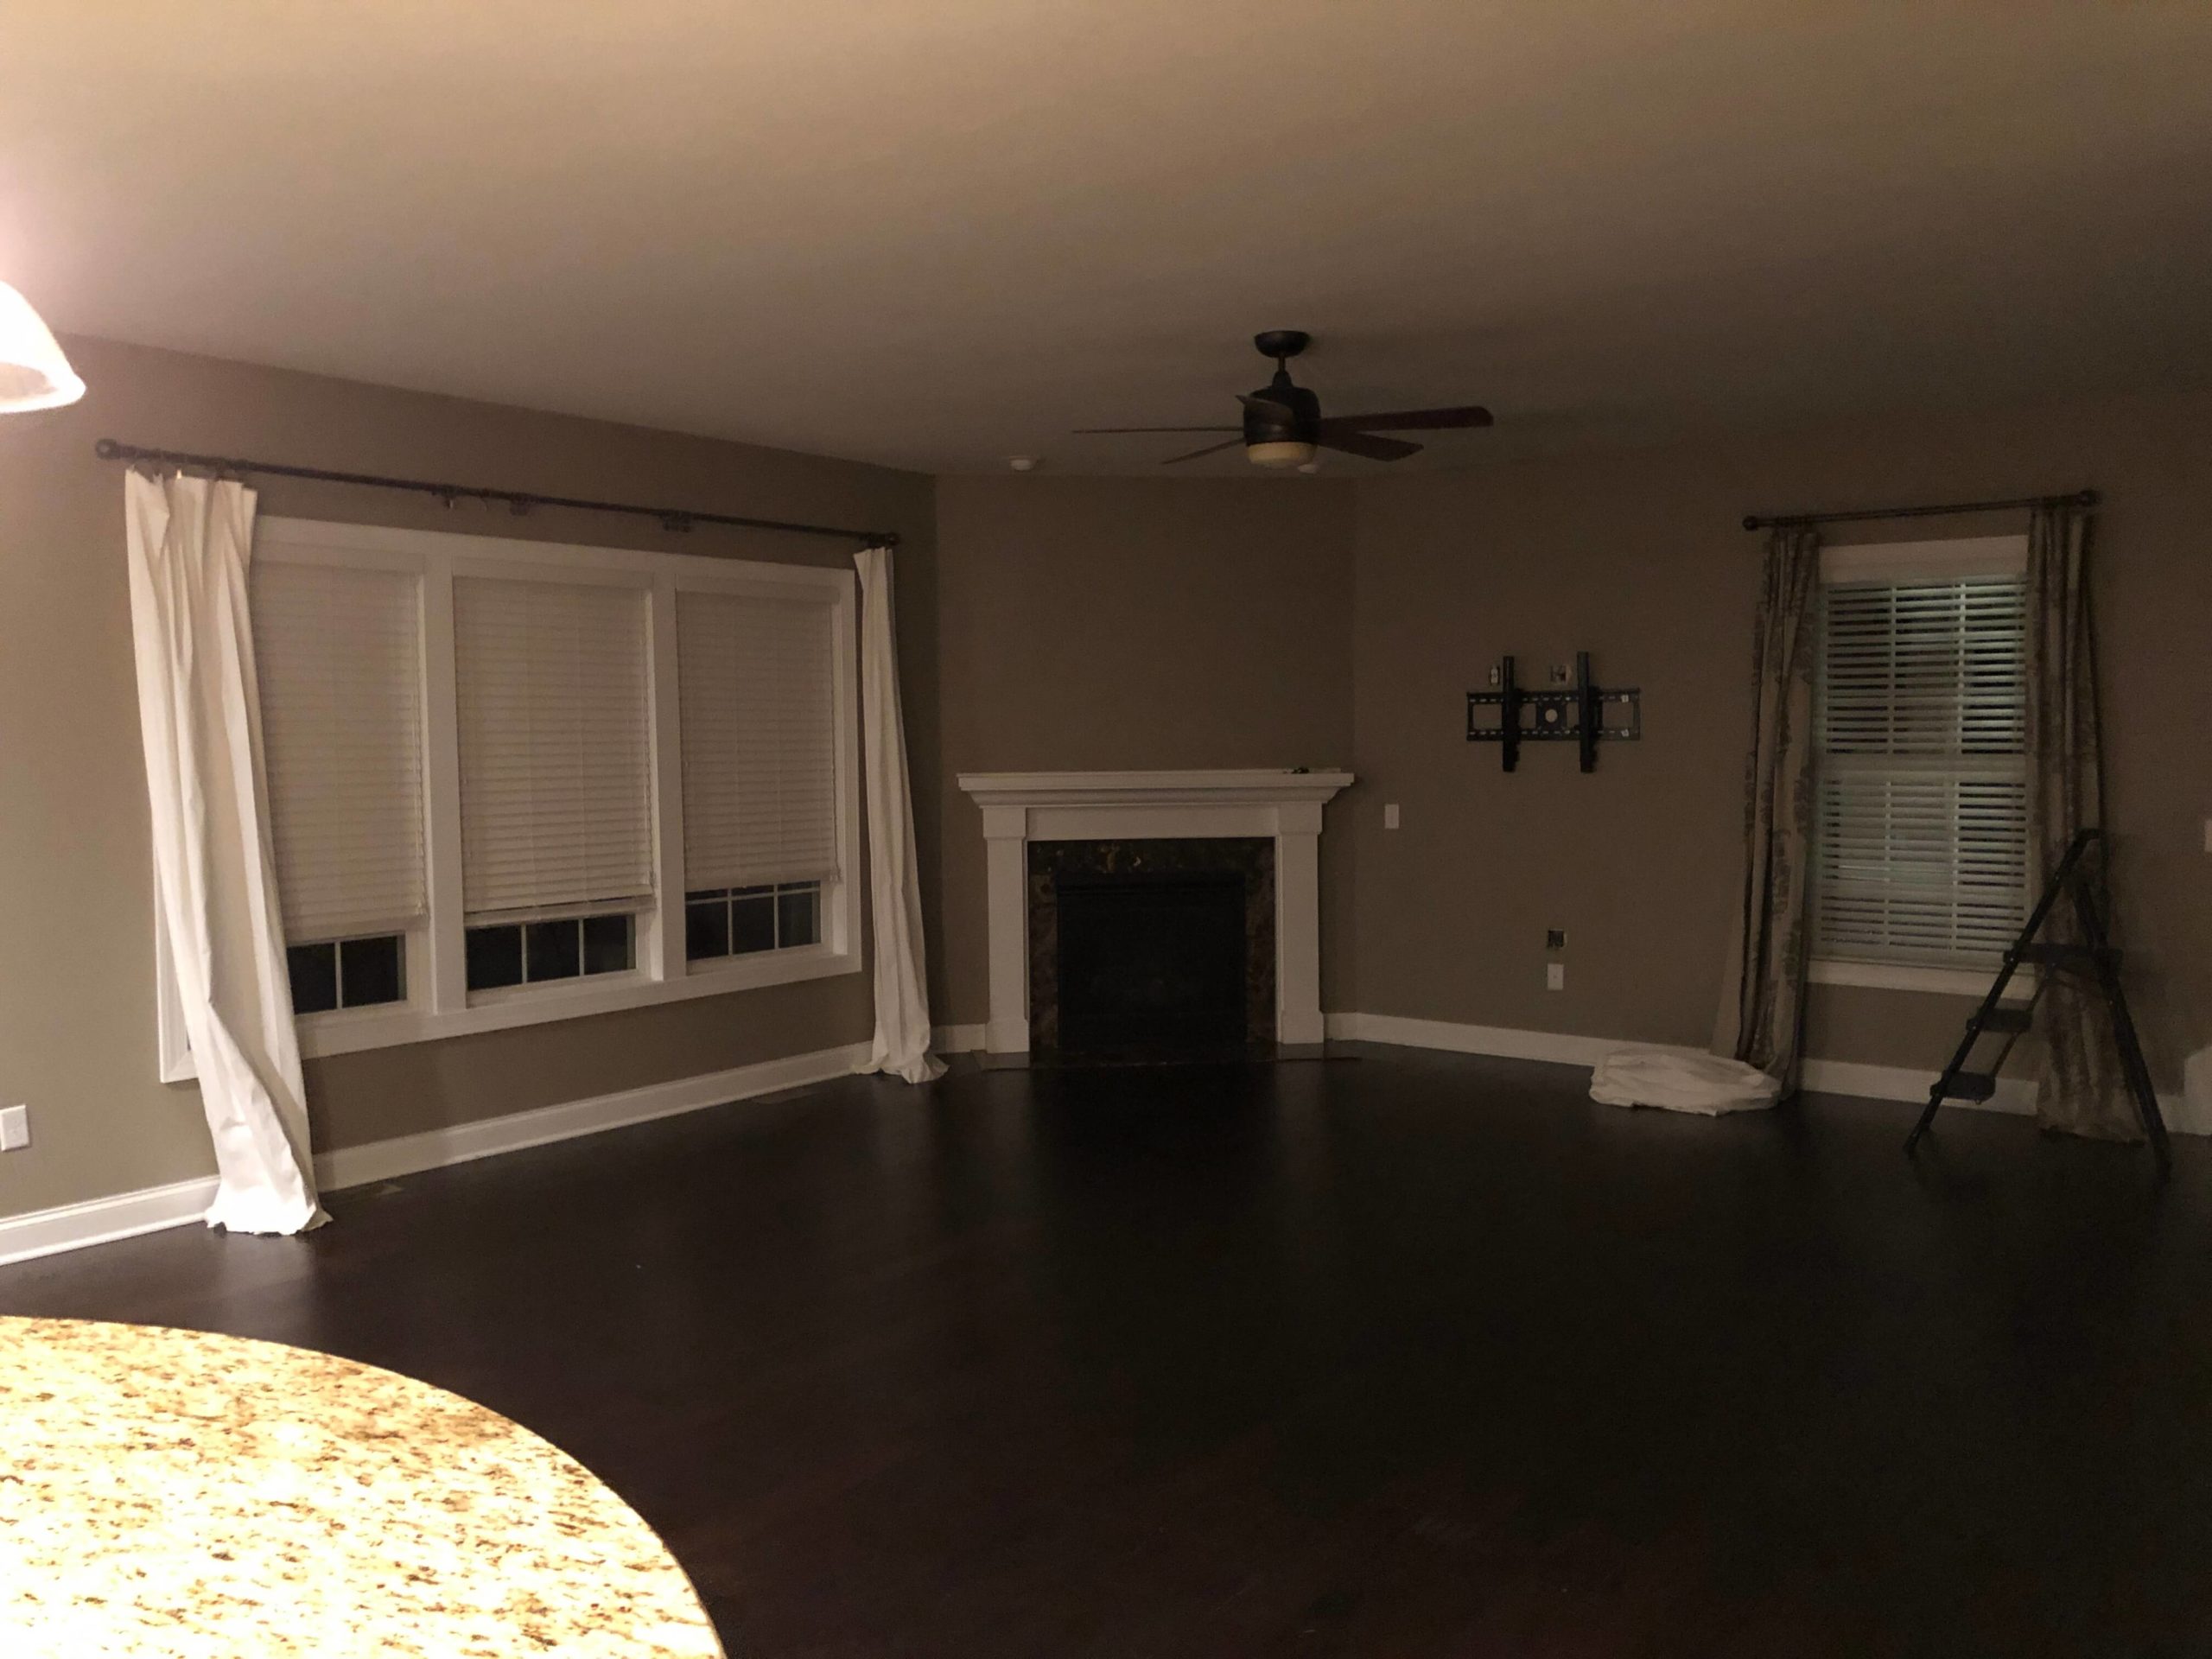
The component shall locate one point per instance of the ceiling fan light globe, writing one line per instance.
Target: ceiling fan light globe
(1278, 452)
(34, 374)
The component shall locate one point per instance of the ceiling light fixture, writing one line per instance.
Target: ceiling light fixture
(1278, 452)
(34, 374)
(1283, 425)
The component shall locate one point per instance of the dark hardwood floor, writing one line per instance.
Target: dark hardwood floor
(1399, 1354)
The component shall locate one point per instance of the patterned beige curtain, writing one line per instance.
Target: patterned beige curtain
(1762, 992)
(2081, 1088)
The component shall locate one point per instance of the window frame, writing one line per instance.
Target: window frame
(1940, 560)
(438, 1003)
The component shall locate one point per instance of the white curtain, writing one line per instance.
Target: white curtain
(902, 1000)
(199, 712)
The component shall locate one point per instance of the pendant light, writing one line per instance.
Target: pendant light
(34, 374)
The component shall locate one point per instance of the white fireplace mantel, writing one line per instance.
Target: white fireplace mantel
(1019, 807)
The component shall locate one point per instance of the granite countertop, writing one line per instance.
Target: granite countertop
(176, 1494)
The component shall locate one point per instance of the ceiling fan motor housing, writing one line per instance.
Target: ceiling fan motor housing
(1282, 413)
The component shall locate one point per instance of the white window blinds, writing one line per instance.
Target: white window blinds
(338, 653)
(556, 757)
(1921, 843)
(758, 710)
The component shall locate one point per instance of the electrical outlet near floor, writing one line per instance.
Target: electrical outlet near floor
(15, 1128)
(1554, 975)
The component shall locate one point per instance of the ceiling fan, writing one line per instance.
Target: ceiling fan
(1283, 422)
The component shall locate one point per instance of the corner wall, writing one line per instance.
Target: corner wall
(1638, 558)
(1104, 623)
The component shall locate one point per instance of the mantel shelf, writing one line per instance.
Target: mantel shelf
(1249, 786)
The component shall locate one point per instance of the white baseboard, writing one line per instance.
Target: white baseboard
(2185, 1116)
(2014, 1094)
(1502, 1041)
(959, 1040)
(102, 1221)
(384, 1160)
(124, 1214)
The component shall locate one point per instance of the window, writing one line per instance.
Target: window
(760, 770)
(338, 652)
(530, 953)
(740, 921)
(337, 974)
(555, 776)
(556, 771)
(515, 781)
(1920, 839)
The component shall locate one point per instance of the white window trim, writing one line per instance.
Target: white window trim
(1917, 976)
(438, 1001)
(1931, 561)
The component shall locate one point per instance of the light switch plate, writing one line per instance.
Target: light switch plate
(1390, 814)
(1554, 975)
(15, 1128)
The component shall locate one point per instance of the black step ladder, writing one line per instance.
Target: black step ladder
(2095, 961)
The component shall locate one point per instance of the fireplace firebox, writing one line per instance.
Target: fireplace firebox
(1152, 950)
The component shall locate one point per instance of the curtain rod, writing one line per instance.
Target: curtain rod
(521, 501)
(1768, 521)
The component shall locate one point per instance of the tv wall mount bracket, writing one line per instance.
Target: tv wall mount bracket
(1582, 714)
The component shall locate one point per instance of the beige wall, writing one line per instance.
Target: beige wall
(76, 978)
(1049, 622)
(1103, 622)
(1638, 558)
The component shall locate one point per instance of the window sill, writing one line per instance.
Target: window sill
(352, 1030)
(1916, 976)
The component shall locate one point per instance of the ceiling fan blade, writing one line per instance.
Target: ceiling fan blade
(1232, 443)
(1411, 420)
(1364, 443)
(1087, 431)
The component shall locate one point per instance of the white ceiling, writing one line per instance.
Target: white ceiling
(939, 234)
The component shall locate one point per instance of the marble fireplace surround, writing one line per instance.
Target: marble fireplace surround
(1019, 807)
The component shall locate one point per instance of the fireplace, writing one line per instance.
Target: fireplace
(1275, 815)
(1151, 949)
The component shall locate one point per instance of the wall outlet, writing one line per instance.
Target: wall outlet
(1554, 975)
(15, 1128)
(1389, 814)
(1559, 674)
